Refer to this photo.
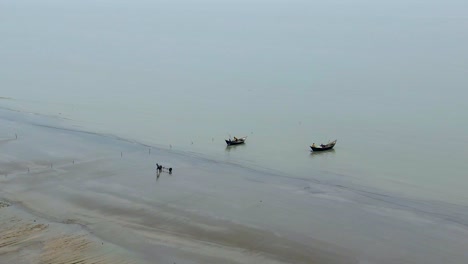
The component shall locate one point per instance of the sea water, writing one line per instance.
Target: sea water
(387, 80)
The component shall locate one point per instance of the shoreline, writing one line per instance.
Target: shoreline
(209, 211)
(30, 186)
(379, 165)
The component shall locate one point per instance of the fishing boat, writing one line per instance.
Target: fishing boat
(323, 147)
(235, 141)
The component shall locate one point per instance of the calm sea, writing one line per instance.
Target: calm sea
(387, 79)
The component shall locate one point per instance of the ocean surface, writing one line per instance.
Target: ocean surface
(386, 79)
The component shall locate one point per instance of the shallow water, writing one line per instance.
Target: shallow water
(109, 186)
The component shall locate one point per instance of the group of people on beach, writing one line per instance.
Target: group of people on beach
(160, 168)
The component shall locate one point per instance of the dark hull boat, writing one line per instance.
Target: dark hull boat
(235, 141)
(323, 147)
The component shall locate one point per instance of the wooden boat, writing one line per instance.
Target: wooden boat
(323, 147)
(235, 141)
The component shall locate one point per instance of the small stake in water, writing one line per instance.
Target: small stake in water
(121, 154)
(16, 136)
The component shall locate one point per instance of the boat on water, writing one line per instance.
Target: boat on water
(323, 147)
(235, 141)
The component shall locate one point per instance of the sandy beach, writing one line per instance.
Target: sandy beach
(71, 196)
(26, 238)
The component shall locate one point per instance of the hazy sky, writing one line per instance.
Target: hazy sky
(229, 44)
(397, 58)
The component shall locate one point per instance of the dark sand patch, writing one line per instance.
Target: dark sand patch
(196, 234)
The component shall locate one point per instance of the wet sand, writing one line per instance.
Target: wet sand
(26, 238)
(70, 196)
(74, 185)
